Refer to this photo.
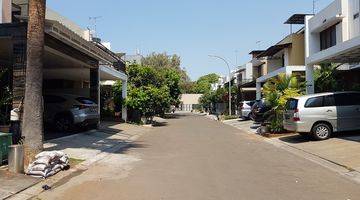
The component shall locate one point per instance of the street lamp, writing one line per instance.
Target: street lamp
(228, 66)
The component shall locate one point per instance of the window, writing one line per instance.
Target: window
(314, 102)
(356, 16)
(291, 104)
(329, 100)
(328, 38)
(354, 98)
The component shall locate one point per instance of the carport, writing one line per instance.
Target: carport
(72, 65)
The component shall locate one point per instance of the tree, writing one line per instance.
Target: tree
(151, 91)
(326, 78)
(187, 87)
(171, 78)
(32, 127)
(277, 91)
(148, 100)
(203, 84)
(162, 60)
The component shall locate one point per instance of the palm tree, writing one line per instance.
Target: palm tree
(276, 92)
(326, 78)
(32, 127)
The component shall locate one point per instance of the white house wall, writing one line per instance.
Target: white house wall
(249, 71)
(354, 24)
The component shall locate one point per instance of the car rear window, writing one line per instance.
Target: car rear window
(292, 104)
(85, 100)
(251, 103)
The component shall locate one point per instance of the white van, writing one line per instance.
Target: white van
(322, 114)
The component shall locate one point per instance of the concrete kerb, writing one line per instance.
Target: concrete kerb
(343, 170)
(36, 189)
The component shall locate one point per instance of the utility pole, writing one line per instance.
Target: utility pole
(228, 66)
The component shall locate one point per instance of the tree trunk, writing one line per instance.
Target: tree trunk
(32, 127)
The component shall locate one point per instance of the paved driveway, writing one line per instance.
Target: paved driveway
(192, 157)
(343, 149)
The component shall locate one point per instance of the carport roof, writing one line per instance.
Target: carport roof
(61, 32)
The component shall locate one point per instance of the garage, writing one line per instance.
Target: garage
(73, 69)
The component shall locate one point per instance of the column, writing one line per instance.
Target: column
(124, 95)
(310, 85)
(5, 9)
(258, 90)
(95, 86)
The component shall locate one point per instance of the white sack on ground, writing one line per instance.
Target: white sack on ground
(48, 163)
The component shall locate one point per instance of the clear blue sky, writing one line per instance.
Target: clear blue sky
(193, 29)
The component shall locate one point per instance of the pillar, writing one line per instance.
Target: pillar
(124, 95)
(5, 9)
(258, 90)
(310, 85)
(95, 86)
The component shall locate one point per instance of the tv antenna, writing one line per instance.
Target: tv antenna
(258, 43)
(94, 21)
(314, 6)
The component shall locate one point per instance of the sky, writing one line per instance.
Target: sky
(192, 29)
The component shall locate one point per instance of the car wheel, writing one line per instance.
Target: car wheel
(321, 131)
(63, 123)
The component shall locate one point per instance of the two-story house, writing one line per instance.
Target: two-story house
(333, 36)
(287, 56)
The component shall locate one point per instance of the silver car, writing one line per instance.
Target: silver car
(322, 114)
(66, 111)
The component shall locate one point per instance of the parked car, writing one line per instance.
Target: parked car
(258, 111)
(245, 107)
(322, 114)
(66, 111)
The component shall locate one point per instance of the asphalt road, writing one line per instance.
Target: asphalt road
(196, 158)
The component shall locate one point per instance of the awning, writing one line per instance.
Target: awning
(297, 19)
(108, 73)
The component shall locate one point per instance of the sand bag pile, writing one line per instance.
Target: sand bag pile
(48, 163)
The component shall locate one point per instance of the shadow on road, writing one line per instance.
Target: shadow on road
(296, 139)
(87, 144)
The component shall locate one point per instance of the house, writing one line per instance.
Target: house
(333, 36)
(248, 73)
(189, 102)
(74, 61)
(287, 56)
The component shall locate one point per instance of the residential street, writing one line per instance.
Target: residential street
(195, 158)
